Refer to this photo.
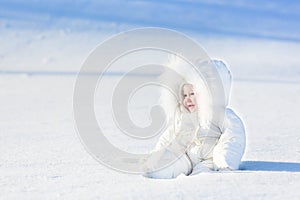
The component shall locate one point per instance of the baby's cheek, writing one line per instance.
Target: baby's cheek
(195, 100)
(184, 104)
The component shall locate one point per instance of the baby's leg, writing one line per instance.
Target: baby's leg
(204, 166)
(182, 165)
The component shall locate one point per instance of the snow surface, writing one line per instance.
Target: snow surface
(42, 157)
(41, 154)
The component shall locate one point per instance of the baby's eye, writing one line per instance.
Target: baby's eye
(192, 93)
(185, 95)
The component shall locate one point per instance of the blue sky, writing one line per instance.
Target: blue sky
(275, 20)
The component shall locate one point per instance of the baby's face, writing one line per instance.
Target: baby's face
(189, 98)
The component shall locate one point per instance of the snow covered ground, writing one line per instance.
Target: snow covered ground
(42, 156)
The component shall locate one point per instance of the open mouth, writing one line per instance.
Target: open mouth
(191, 105)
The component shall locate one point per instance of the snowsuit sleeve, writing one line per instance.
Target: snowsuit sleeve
(181, 136)
(165, 139)
(228, 152)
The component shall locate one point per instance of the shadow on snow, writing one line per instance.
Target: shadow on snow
(270, 166)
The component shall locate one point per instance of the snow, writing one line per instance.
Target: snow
(42, 156)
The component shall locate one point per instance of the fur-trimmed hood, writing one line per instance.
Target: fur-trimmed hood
(171, 98)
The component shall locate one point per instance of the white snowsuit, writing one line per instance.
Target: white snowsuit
(192, 148)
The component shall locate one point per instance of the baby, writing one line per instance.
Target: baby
(180, 144)
(199, 147)
(190, 147)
